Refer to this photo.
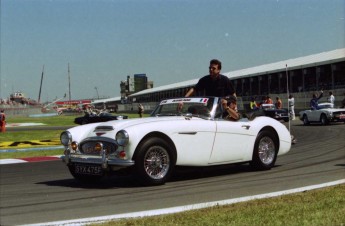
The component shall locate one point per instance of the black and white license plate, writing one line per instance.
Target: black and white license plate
(88, 169)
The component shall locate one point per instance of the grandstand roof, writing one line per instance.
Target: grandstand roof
(106, 100)
(307, 61)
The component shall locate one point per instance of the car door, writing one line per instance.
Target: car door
(314, 115)
(231, 141)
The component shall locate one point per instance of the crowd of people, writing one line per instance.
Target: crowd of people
(9, 102)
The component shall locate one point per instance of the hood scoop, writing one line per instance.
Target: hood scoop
(103, 129)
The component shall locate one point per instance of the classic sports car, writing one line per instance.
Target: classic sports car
(324, 114)
(180, 132)
(102, 117)
(270, 110)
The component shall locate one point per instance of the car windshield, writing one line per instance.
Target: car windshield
(200, 107)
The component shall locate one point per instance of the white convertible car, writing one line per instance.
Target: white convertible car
(324, 114)
(180, 132)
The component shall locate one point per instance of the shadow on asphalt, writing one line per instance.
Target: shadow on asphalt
(181, 174)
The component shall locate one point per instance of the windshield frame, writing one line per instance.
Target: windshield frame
(169, 107)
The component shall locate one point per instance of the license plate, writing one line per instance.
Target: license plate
(88, 169)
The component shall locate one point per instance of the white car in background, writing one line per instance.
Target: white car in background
(180, 132)
(324, 114)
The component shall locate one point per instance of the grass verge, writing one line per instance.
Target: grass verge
(316, 207)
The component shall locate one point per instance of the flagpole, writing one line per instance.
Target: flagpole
(287, 91)
(39, 94)
(69, 83)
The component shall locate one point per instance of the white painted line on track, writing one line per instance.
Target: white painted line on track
(91, 220)
(11, 161)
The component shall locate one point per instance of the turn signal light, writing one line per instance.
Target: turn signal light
(74, 145)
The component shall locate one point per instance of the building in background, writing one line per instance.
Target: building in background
(137, 83)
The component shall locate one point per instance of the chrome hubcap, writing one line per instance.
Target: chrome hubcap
(266, 150)
(156, 162)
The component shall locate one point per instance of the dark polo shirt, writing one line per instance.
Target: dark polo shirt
(219, 87)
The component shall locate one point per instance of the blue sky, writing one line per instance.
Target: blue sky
(169, 40)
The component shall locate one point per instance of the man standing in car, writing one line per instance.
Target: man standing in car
(314, 102)
(214, 84)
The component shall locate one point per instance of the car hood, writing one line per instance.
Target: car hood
(276, 110)
(111, 127)
(342, 110)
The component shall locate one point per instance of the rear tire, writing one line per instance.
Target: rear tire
(324, 120)
(265, 150)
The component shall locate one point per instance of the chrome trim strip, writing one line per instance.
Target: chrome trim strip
(188, 133)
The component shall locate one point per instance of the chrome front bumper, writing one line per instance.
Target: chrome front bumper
(102, 160)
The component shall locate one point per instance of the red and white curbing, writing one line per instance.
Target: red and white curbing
(30, 159)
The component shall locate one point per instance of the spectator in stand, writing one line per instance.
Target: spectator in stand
(291, 102)
(331, 98)
(279, 103)
(268, 100)
(252, 104)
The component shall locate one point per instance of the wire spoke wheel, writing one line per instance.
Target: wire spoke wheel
(266, 150)
(156, 162)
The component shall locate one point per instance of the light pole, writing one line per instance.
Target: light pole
(97, 92)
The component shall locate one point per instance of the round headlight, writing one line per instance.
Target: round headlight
(65, 138)
(122, 138)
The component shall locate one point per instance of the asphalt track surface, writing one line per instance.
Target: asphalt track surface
(45, 191)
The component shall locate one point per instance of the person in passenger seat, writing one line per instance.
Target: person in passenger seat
(230, 109)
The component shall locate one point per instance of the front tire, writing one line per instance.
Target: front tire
(265, 151)
(305, 120)
(155, 161)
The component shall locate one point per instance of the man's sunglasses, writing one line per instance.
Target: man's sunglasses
(212, 68)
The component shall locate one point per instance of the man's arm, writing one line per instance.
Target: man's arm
(190, 92)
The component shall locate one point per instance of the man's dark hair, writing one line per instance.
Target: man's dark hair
(217, 62)
(231, 99)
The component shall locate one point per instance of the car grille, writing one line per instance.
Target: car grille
(88, 148)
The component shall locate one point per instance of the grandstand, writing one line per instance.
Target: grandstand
(305, 76)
